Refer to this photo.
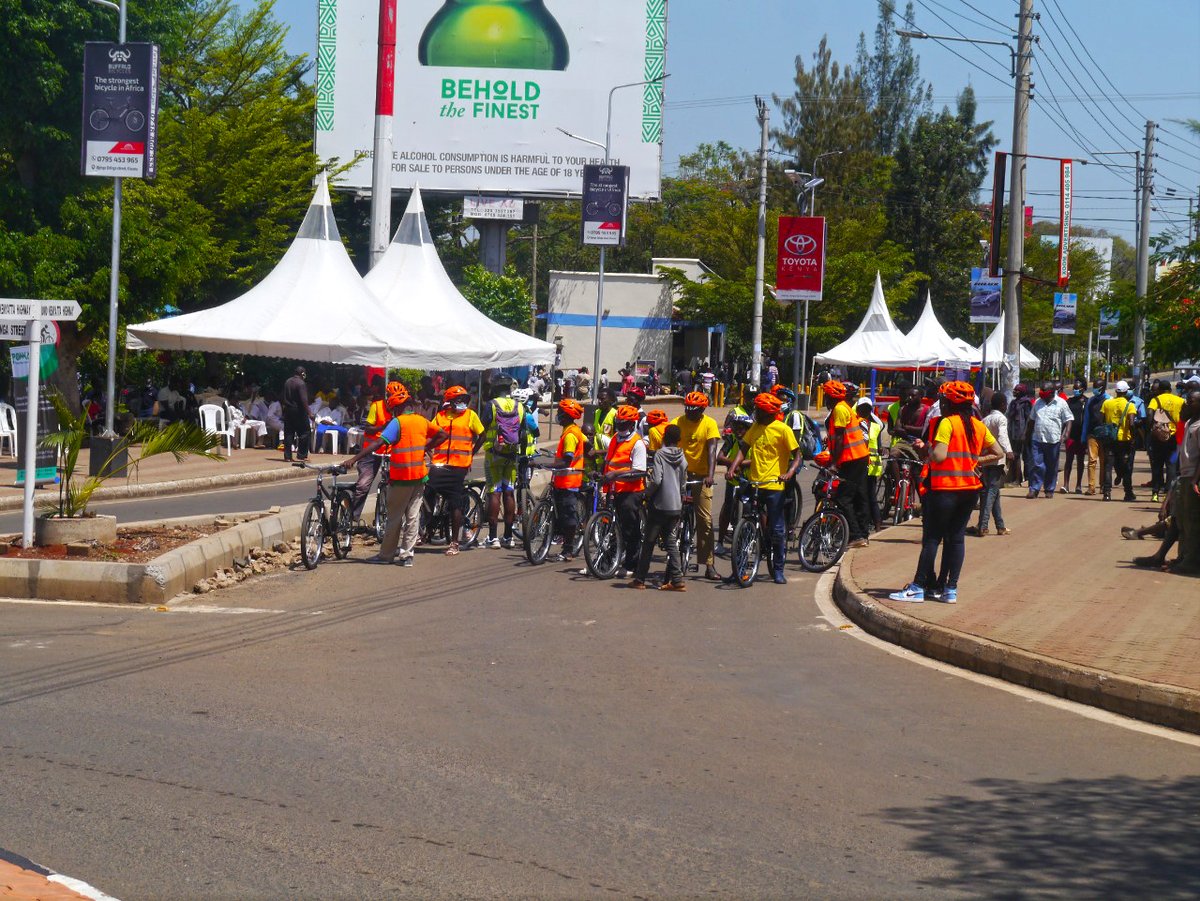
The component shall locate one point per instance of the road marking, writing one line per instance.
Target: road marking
(80, 887)
(171, 607)
(832, 614)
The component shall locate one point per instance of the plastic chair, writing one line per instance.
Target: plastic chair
(8, 428)
(212, 420)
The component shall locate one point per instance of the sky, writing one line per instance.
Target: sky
(1101, 68)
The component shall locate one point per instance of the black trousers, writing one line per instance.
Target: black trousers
(944, 518)
(852, 495)
(1160, 464)
(297, 431)
(629, 517)
(666, 524)
(1117, 455)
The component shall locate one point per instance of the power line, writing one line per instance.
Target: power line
(1008, 30)
(974, 22)
(974, 46)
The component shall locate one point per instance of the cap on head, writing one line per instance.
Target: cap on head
(1122, 385)
(864, 402)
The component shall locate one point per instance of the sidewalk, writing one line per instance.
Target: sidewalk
(1056, 605)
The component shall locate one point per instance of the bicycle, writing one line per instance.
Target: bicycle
(897, 489)
(825, 534)
(436, 523)
(750, 537)
(687, 527)
(539, 536)
(524, 493)
(319, 521)
(379, 524)
(603, 544)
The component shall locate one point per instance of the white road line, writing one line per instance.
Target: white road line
(80, 887)
(832, 614)
(170, 607)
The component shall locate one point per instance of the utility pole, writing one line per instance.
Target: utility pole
(760, 262)
(1010, 365)
(1143, 253)
(381, 164)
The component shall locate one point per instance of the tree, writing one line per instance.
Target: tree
(891, 78)
(502, 298)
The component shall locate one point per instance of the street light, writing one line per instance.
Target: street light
(607, 148)
(922, 36)
(114, 279)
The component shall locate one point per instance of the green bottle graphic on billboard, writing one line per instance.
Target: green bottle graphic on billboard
(494, 34)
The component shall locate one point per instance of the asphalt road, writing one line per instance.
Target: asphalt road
(477, 727)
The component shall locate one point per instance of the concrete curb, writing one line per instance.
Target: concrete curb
(181, 486)
(1164, 705)
(155, 582)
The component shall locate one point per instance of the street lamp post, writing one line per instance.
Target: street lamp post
(607, 148)
(114, 279)
(801, 332)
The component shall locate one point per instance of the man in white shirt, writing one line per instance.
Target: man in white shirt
(1048, 420)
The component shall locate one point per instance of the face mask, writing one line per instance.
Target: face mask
(460, 408)
(624, 430)
(1045, 395)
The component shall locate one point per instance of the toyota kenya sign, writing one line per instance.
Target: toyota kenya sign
(800, 266)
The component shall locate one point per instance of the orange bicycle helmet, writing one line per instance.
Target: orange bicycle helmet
(453, 393)
(657, 417)
(958, 392)
(834, 389)
(769, 403)
(572, 408)
(395, 394)
(823, 458)
(696, 399)
(626, 413)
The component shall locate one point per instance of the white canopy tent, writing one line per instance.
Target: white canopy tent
(412, 285)
(929, 335)
(312, 306)
(995, 350)
(877, 343)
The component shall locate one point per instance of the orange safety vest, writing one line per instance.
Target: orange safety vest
(379, 413)
(406, 458)
(854, 442)
(573, 479)
(620, 459)
(459, 448)
(957, 471)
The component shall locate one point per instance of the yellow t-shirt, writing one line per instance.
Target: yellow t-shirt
(769, 450)
(654, 438)
(842, 416)
(694, 438)
(946, 425)
(1115, 413)
(1171, 403)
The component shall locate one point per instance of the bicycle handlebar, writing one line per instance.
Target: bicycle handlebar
(335, 468)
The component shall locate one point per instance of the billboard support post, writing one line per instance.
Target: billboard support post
(381, 163)
(31, 420)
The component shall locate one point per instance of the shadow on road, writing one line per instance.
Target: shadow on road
(1096, 838)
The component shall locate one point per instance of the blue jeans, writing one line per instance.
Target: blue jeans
(776, 527)
(993, 481)
(1044, 475)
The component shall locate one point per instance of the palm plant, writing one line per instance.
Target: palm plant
(181, 439)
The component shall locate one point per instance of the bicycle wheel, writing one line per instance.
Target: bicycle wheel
(687, 538)
(539, 535)
(342, 519)
(746, 553)
(312, 534)
(903, 503)
(473, 517)
(603, 549)
(884, 491)
(794, 506)
(381, 512)
(823, 539)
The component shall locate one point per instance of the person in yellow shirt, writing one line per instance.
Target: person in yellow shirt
(452, 459)
(656, 423)
(699, 437)
(848, 451)
(1162, 449)
(773, 455)
(1118, 413)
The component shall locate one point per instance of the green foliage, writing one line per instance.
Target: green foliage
(502, 298)
(891, 77)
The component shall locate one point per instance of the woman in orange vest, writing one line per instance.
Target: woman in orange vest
(950, 490)
(570, 456)
(850, 456)
(625, 469)
(408, 437)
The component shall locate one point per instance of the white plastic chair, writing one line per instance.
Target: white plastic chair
(212, 420)
(8, 428)
(330, 437)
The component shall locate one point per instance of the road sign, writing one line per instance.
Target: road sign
(19, 331)
(23, 310)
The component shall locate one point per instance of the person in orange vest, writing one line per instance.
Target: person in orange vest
(572, 445)
(656, 421)
(408, 437)
(849, 454)
(950, 489)
(625, 470)
(378, 416)
(452, 459)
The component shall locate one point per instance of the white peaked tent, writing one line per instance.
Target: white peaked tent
(413, 286)
(877, 343)
(995, 349)
(928, 335)
(312, 306)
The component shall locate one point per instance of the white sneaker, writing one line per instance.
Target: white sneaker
(626, 574)
(491, 542)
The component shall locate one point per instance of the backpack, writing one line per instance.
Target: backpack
(508, 428)
(809, 438)
(1160, 426)
(1018, 418)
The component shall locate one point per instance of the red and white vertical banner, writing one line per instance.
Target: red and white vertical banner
(1064, 226)
(800, 266)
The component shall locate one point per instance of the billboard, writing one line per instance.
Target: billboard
(605, 192)
(484, 92)
(800, 260)
(1066, 308)
(120, 110)
(986, 297)
(1110, 321)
